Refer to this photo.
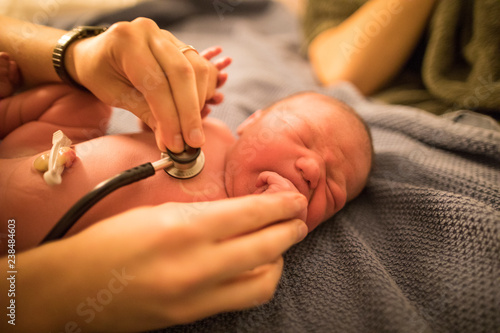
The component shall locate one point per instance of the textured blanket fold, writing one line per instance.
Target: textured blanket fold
(462, 62)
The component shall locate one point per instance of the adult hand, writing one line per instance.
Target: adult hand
(140, 67)
(158, 266)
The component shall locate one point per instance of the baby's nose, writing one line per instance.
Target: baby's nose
(310, 170)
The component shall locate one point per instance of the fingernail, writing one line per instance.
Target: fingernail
(178, 143)
(301, 231)
(159, 142)
(300, 203)
(196, 136)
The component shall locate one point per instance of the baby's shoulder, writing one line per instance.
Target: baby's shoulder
(217, 128)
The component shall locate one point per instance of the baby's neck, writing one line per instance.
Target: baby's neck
(210, 184)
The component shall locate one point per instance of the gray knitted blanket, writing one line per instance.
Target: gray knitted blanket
(417, 251)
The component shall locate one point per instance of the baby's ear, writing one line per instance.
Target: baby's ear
(250, 120)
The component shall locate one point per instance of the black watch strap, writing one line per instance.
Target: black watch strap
(62, 45)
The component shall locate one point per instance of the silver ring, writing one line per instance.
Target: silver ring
(186, 48)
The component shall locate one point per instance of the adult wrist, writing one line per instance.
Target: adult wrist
(64, 43)
(38, 276)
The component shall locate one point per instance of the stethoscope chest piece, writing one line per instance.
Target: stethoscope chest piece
(187, 164)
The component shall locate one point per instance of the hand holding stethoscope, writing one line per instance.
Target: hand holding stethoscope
(148, 71)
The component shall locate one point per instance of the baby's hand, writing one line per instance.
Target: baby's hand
(215, 73)
(271, 182)
(10, 77)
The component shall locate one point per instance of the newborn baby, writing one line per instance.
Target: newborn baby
(309, 143)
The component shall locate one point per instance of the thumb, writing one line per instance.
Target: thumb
(272, 182)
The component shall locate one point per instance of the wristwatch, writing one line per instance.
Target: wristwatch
(62, 45)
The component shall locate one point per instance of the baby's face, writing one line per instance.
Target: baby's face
(305, 143)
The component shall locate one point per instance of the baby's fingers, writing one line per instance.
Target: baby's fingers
(216, 99)
(211, 52)
(223, 63)
(205, 111)
(221, 79)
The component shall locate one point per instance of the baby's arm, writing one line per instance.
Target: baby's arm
(30, 118)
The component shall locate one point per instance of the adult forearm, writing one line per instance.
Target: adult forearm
(370, 46)
(147, 268)
(31, 46)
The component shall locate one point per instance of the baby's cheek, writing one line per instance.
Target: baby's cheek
(318, 212)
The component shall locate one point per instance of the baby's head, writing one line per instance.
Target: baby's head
(308, 142)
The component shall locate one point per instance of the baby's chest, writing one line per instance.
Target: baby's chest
(207, 186)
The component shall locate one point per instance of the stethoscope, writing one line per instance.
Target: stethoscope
(184, 165)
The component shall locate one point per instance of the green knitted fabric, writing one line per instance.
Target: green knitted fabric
(457, 64)
(324, 14)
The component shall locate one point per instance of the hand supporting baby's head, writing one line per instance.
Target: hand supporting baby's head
(309, 143)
